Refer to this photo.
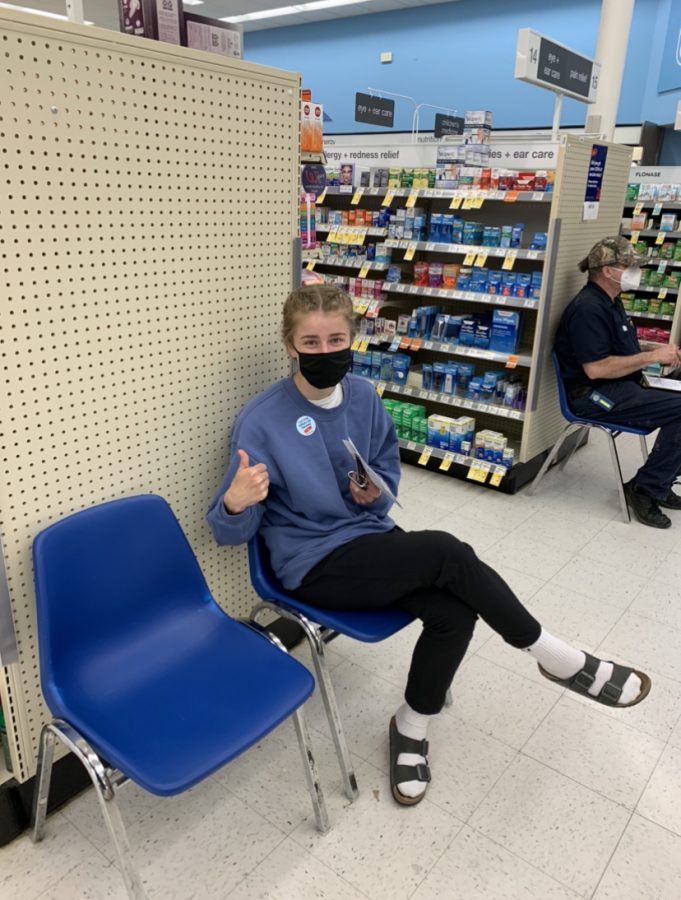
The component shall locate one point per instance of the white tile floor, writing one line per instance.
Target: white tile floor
(536, 794)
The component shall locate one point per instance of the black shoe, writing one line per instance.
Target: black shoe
(646, 508)
(671, 501)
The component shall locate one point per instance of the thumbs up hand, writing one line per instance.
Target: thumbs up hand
(249, 486)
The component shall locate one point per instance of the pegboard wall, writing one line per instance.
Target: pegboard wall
(148, 204)
(573, 241)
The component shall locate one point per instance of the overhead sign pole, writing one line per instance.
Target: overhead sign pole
(548, 64)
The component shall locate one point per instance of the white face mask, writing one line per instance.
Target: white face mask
(631, 278)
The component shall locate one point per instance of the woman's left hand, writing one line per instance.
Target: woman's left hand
(364, 496)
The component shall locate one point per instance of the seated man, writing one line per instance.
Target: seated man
(601, 361)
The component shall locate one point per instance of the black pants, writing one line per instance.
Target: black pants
(644, 408)
(437, 579)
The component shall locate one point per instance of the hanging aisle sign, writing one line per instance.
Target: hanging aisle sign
(374, 110)
(447, 125)
(544, 62)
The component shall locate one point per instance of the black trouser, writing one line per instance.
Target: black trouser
(437, 579)
(643, 408)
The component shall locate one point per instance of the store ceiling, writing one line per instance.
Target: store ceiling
(105, 12)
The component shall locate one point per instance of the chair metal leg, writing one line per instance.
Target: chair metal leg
(312, 779)
(551, 457)
(644, 447)
(105, 794)
(612, 437)
(575, 447)
(325, 689)
(43, 777)
(448, 698)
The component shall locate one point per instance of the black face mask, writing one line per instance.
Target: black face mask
(325, 370)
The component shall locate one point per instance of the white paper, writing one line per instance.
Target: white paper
(372, 473)
(667, 384)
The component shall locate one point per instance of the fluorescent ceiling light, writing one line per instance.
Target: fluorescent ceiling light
(290, 10)
(192, 2)
(39, 12)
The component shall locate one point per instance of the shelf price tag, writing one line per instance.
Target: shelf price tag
(364, 271)
(364, 345)
(657, 209)
(469, 259)
(416, 344)
(633, 237)
(447, 461)
(356, 197)
(388, 199)
(509, 259)
(456, 203)
(425, 456)
(411, 199)
(380, 388)
(481, 258)
(361, 308)
(478, 471)
(538, 195)
(477, 202)
(395, 344)
(662, 293)
(497, 475)
(321, 198)
(468, 203)
(355, 345)
(512, 361)
(310, 264)
(373, 308)
(405, 343)
(660, 238)
(662, 267)
(428, 345)
(511, 197)
(411, 250)
(638, 209)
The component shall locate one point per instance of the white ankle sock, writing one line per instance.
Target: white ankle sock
(563, 661)
(413, 725)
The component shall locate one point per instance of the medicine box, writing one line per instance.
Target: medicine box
(505, 333)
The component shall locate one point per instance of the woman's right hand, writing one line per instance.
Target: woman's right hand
(249, 486)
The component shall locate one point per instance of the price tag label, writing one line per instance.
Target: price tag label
(657, 209)
(355, 345)
(416, 344)
(468, 203)
(638, 209)
(411, 445)
(456, 203)
(364, 271)
(430, 246)
(477, 202)
(411, 250)
(478, 471)
(633, 237)
(469, 259)
(380, 388)
(361, 308)
(405, 343)
(511, 196)
(395, 344)
(388, 199)
(373, 308)
(509, 259)
(512, 361)
(497, 475)
(411, 199)
(538, 196)
(364, 345)
(425, 456)
(447, 461)
(481, 258)
(662, 293)
(533, 254)
(660, 238)
(662, 267)
(428, 345)
(356, 197)
(310, 264)
(321, 198)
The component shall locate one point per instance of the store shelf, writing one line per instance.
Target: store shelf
(650, 232)
(466, 249)
(448, 194)
(669, 263)
(456, 458)
(470, 296)
(644, 289)
(451, 349)
(645, 204)
(368, 230)
(352, 263)
(448, 399)
(646, 315)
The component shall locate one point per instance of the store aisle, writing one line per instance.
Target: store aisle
(536, 794)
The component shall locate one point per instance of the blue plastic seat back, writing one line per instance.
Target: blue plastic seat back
(108, 575)
(368, 625)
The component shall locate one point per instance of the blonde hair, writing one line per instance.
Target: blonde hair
(326, 298)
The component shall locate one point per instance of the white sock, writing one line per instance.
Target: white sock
(563, 661)
(413, 725)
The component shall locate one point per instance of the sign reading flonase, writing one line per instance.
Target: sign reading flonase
(374, 110)
(544, 62)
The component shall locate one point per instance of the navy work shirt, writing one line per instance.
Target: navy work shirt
(592, 328)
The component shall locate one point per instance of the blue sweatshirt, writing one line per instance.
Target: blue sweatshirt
(309, 510)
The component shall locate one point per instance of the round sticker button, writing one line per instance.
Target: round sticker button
(306, 426)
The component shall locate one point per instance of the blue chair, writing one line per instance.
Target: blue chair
(147, 678)
(577, 423)
(320, 626)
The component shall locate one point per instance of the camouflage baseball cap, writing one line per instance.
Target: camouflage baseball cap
(611, 251)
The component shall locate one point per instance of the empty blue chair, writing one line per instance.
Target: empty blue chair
(577, 423)
(320, 626)
(147, 678)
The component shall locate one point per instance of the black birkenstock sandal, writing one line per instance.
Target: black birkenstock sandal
(399, 774)
(611, 691)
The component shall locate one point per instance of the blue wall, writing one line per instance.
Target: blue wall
(462, 55)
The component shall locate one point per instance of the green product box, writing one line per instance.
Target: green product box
(677, 251)
(639, 305)
(407, 178)
(627, 301)
(667, 308)
(656, 279)
(632, 192)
